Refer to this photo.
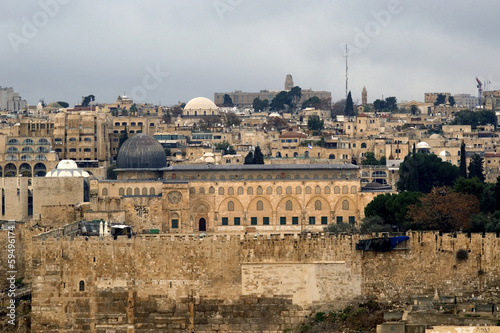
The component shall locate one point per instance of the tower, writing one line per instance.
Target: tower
(288, 82)
(364, 97)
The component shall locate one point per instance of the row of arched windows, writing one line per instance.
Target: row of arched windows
(25, 169)
(28, 142)
(26, 150)
(279, 190)
(288, 205)
(130, 191)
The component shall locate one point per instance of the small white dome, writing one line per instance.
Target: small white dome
(423, 144)
(274, 114)
(444, 153)
(67, 168)
(200, 103)
(67, 164)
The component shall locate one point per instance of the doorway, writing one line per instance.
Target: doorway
(202, 225)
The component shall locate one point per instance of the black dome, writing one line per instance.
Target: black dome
(141, 152)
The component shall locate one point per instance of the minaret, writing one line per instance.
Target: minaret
(364, 97)
(288, 82)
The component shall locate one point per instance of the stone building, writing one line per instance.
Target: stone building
(10, 100)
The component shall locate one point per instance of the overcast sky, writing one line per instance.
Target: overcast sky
(175, 50)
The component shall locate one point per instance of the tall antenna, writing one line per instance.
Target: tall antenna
(346, 69)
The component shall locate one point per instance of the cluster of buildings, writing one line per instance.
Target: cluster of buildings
(308, 181)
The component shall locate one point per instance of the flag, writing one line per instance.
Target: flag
(309, 146)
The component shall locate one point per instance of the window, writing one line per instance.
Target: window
(236, 221)
(308, 190)
(345, 205)
(137, 191)
(121, 191)
(12, 150)
(339, 219)
(282, 220)
(279, 190)
(363, 145)
(144, 191)
(28, 142)
(104, 192)
(250, 191)
(288, 190)
(295, 220)
(312, 220)
(240, 190)
(230, 206)
(259, 190)
(129, 191)
(317, 205)
(87, 150)
(336, 190)
(72, 139)
(345, 190)
(265, 220)
(211, 190)
(324, 219)
(354, 189)
(253, 221)
(202, 190)
(152, 191)
(352, 219)
(298, 190)
(221, 190)
(42, 150)
(288, 205)
(269, 190)
(230, 191)
(317, 190)
(81, 286)
(327, 189)
(260, 205)
(175, 223)
(225, 221)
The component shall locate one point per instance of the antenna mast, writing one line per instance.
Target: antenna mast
(346, 71)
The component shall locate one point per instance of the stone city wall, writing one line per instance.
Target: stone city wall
(241, 283)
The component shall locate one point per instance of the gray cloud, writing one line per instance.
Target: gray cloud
(105, 47)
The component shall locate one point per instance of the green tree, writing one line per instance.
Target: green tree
(463, 160)
(133, 110)
(87, 99)
(476, 167)
(374, 224)
(371, 160)
(338, 108)
(249, 158)
(451, 100)
(227, 101)
(63, 104)
(258, 157)
(226, 148)
(379, 105)
(391, 103)
(123, 138)
(421, 172)
(111, 173)
(314, 102)
(414, 110)
(231, 119)
(281, 101)
(349, 106)
(295, 94)
(393, 208)
(259, 105)
(475, 118)
(276, 123)
(315, 124)
(440, 99)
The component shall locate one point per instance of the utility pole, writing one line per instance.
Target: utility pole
(346, 71)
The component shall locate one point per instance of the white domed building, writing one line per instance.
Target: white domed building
(67, 168)
(200, 106)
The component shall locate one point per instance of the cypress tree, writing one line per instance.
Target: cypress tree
(463, 160)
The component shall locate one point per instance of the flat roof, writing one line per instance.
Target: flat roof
(262, 167)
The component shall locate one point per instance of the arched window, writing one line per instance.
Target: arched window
(211, 190)
(269, 190)
(152, 191)
(308, 190)
(379, 173)
(192, 190)
(363, 145)
(13, 142)
(72, 140)
(137, 191)
(317, 190)
(288, 190)
(72, 150)
(42, 150)
(11, 158)
(331, 157)
(26, 158)
(43, 141)
(259, 190)
(129, 191)
(298, 190)
(327, 189)
(240, 190)
(345, 189)
(278, 190)
(230, 206)
(230, 191)
(202, 190)
(317, 205)
(336, 190)
(121, 191)
(260, 205)
(250, 190)
(40, 158)
(288, 205)
(27, 142)
(12, 150)
(104, 192)
(354, 190)
(81, 286)
(144, 191)
(345, 205)
(221, 190)
(87, 139)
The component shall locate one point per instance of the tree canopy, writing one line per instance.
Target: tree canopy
(87, 99)
(63, 104)
(349, 106)
(421, 172)
(227, 100)
(370, 159)
(286, 100)
(440, 99)
(476, 167)
(475, 118)
(226, 148)
(315, 124)
(259, 105)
